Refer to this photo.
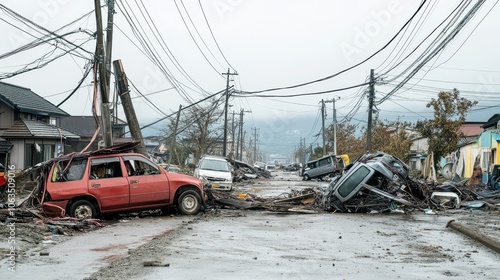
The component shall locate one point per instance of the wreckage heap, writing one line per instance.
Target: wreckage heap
(376, 182)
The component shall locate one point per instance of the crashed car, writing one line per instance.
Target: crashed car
(374, 182)
(87, 186)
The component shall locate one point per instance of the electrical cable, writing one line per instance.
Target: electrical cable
(351, 67)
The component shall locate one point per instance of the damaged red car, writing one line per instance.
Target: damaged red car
(85, 187)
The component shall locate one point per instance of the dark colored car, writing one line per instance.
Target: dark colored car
(373, 181)
(84, 187)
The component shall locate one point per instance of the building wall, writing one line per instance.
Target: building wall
(6, 117)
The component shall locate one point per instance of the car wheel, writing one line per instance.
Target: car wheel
(189, 202)
(82, 209)
(306, 177)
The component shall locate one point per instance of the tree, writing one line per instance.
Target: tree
(347, 142)
(392, 137)
(200, 128)
(442, 132)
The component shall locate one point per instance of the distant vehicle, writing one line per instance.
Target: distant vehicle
(172, 168)
(292, 167)
(328, 165)
(270, 166)
(215, 170)
(87, 186)
(260, 165)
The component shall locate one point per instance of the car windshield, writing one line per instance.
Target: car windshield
(215, 165)
(354, 179)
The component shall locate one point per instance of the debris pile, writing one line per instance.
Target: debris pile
(299, 201)
(374, 183)
(243, 171)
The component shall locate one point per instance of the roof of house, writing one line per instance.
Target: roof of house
(84, 125)
(37, 129)
(471, 128)
(492, 122)
(26, 101)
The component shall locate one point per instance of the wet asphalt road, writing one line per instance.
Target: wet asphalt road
(234, 244)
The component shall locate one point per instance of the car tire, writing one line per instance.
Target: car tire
(306, 177)
(189, 202)
(82, 209)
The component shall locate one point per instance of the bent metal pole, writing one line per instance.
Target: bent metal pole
(485, 240)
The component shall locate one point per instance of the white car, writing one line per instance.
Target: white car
(216, 171)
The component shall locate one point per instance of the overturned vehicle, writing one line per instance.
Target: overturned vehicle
(374, 182)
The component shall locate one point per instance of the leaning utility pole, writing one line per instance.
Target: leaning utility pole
(371, 96)
(128, 107)
(224, 146)
(103, 83)
(323, 124)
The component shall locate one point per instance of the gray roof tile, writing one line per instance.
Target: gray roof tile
(26, 101)
(37, 129)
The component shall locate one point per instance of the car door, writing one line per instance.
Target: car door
(314, 171)
(327, 166)
(107, 183)
(148, 184)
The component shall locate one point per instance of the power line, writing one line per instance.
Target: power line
(251, 94)
(194, 40)
(436, 50)
(351, 67)
(211, 32)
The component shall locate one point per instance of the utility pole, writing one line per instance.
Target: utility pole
(334, 123)
(224, 146)
(239, 148)
(128, 107)
(371, 96)
(255, 145)
(323, 124)
(109, 40)
(233, 130)
(174, 135)
(243, 143)
(103, 83)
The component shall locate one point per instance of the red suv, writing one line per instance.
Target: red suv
(84, 187)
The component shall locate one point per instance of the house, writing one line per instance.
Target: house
(85, 126)
(29, 131)
(467, 147)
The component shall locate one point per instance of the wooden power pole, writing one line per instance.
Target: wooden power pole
(224, 146)
(371, 96)
(128, 107)
(103, 83)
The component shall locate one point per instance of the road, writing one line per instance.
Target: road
(251, 244)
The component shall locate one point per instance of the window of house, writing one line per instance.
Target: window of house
(48, 152)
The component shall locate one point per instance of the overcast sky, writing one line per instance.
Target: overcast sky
(270, 44)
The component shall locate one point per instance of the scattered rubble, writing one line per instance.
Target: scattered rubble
(374, 183)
